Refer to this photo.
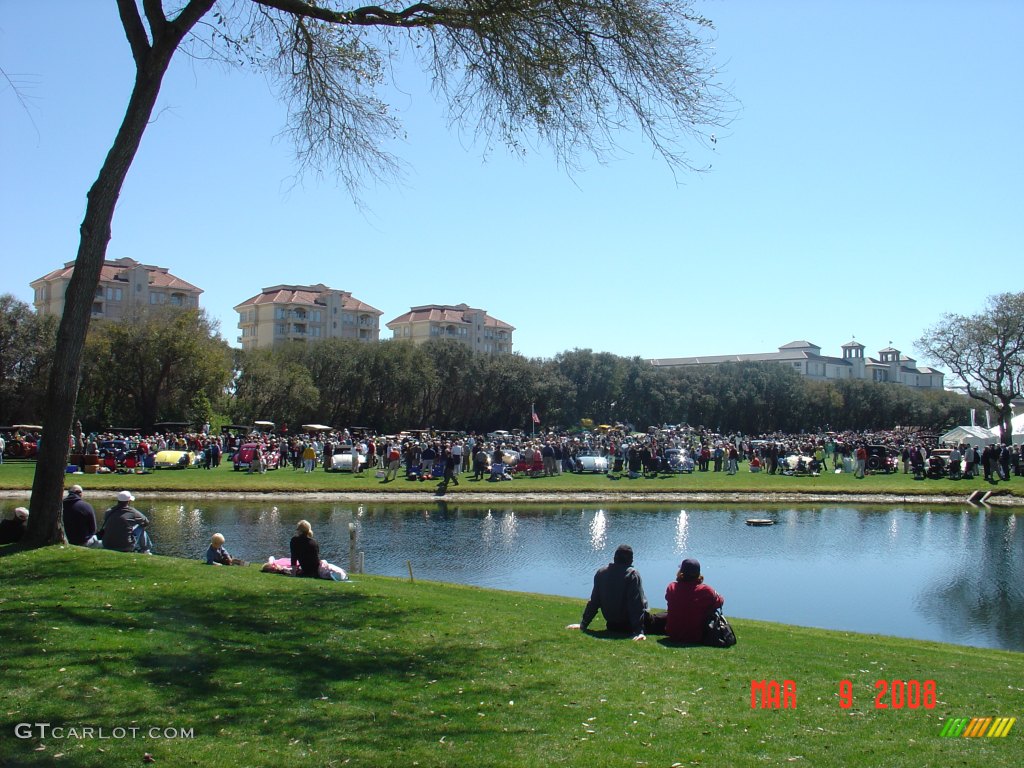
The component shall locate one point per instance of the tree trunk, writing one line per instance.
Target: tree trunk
(45, 525)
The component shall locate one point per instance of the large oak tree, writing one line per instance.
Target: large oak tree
(570, 72)
(985, 352)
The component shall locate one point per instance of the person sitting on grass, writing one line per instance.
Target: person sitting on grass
(217, 555)
(124, 527)
(14, 525)
(79, 519)
(690, 604)
(619, 594)
(305, 552)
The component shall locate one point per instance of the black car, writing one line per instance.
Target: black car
(882, 458)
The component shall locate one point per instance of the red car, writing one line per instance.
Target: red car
(243, 456)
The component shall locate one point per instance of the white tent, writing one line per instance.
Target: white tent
(969, 435)
(1017, 422)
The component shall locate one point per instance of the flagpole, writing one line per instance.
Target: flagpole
(533, 420)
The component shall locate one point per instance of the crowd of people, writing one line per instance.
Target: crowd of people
(501, 456)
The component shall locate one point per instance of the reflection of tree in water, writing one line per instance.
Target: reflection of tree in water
(984, 596)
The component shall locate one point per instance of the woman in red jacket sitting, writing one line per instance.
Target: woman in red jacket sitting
(690, 604)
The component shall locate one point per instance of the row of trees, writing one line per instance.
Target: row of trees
(395, 385)
(170, 364)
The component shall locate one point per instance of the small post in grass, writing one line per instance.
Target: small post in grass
(408, 564)
(353, 563)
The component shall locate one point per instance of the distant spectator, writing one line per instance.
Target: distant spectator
(862, 460)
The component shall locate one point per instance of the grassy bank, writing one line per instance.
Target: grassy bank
(18, 476)
(264, 669)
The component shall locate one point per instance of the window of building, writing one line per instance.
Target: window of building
(280, 329)
(99, 292)
(97, 308)
(113, 294)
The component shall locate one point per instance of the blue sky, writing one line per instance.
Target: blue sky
(872, 180)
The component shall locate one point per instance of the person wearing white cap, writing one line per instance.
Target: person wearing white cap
(124, 526)
(14, 525)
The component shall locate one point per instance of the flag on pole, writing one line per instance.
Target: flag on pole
(536, 418)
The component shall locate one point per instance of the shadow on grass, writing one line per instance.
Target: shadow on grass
(304, 657)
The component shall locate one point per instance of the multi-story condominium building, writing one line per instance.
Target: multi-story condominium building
(806, 359)
(124, 283)
(472, 327)
(305, 313)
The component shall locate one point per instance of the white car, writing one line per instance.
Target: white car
(341, 461)
(591, 461)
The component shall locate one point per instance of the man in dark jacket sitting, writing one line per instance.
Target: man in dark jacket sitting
(619, 594)
(79, 518)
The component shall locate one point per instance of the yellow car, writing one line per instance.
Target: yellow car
(174, 459)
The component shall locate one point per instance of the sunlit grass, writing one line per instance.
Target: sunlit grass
(267, 670)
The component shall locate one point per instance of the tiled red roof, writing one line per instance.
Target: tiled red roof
(159, 277)
(308, 295)
(442, 313)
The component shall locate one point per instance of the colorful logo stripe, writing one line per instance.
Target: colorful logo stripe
(973, 727)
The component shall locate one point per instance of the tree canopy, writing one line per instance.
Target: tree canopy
(26, 345)
(985, 352)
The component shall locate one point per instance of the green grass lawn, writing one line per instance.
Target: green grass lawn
(267, 670)
(18, 476)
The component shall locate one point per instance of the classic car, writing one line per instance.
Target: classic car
(591, 461)
(678, 460)
(882, 458)
(172, 459)
(243, 456)
(939, 464)
(341, 461)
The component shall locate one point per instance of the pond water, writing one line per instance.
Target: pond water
(946, 574)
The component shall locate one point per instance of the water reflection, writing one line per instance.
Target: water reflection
(938, 574)
(682, 523)
(598, 531)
